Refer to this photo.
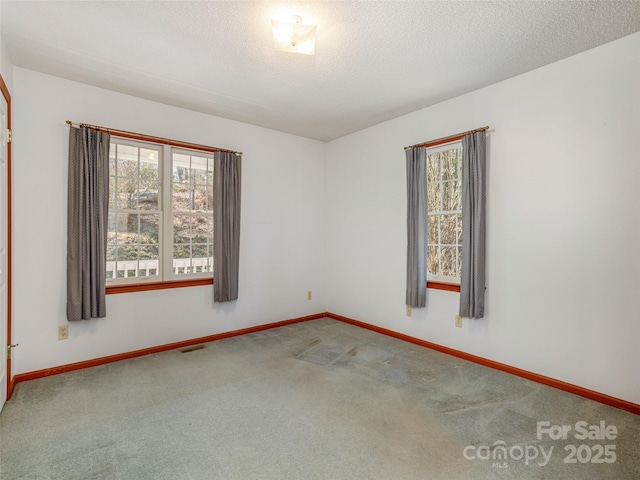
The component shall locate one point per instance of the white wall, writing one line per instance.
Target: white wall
(282, 230)
(6, 66)
(563, 222)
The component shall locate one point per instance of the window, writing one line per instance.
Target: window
(444, 205)
(160, 225)
(192, 212)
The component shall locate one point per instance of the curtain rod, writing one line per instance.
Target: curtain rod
(151, 138)
(450, 138)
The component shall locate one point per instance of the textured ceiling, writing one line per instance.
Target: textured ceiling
(375, 60)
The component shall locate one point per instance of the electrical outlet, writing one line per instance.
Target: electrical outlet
(309, 295)
(458, 321)
(408, 310)
(63, 332)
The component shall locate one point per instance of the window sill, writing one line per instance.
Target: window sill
(143, 287)
(450, 287)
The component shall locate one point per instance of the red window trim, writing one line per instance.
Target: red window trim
(450, 287)
(196, 282)
(144, 287)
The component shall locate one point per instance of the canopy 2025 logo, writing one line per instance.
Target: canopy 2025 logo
(538, 455)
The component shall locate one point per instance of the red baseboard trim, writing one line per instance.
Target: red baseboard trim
(23, 377)
(551, 382)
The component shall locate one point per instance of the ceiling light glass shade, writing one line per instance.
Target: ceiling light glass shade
(294, 37)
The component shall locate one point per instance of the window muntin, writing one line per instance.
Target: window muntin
(158, 230)
(444, 205)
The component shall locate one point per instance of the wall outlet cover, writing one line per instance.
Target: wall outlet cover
(63, 332)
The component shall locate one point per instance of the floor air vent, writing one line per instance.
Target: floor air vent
(193, 349)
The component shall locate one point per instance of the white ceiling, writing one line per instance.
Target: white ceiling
(375, 60)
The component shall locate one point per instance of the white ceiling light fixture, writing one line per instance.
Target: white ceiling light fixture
(293, 36)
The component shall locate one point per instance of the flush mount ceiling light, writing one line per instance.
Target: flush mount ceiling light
(292, 36)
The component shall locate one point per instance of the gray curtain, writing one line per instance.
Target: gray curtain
(472, 281)
(227, 172)
(416, 227)
(87, 210)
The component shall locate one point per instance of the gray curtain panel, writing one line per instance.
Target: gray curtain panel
(87, 211)
(416, 227)
(472, 281)
(227, 172)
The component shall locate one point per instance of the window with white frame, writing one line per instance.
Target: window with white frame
(444, 205)
(160, 224)
(192, 212)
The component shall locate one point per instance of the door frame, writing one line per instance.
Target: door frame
(7, 97)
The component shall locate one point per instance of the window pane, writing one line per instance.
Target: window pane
(125, 192)
(126, 253)
(459, 266)
(192, 189)
(127, 229)
(111, 262)
(181, 229)
(112, 193)
(127, 152)
(127, 162)
(127, 261)
(448, 224)
(182, 198)
(148, 266)
(149, 181)
(111, 230)
(181, 251)
(432, 260)
(202, 198)
(148, 156)
(451, 162)
(451, 196)
(448, 261)
(199, 170)
(200, 251)
(432, 232)
(200, 229)
(112, 157)
(433, 197)
(182, 259)
(117, 222)
(149, 228)
(149, 252)
(201, 260)
(180, 168)
(433, 168)
(459, 228)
